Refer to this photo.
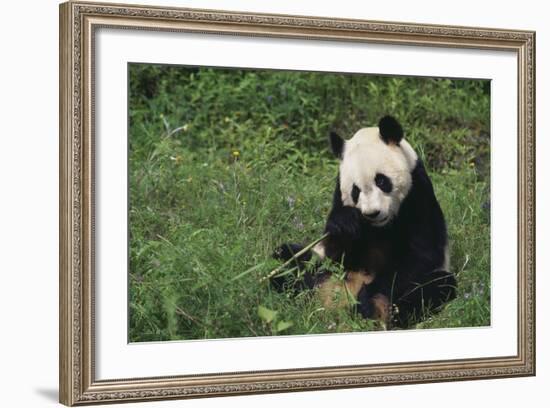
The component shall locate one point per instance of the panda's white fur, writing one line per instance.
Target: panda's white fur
(364, 156)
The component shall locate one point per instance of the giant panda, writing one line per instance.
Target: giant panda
(385, 228)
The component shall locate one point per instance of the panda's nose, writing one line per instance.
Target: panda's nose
(373, 214)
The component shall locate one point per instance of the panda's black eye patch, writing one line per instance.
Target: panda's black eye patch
(383, 183)
(355, 193)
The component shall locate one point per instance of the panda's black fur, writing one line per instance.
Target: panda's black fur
(407, 253)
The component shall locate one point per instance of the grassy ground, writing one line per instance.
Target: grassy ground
(225, 165)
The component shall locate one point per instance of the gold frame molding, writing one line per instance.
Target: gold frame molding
(78, 22)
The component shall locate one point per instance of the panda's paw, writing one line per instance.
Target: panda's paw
(287, 251)
(345, 224)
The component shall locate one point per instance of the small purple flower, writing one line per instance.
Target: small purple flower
(269, 98)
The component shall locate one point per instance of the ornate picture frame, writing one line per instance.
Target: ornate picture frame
(78, 24)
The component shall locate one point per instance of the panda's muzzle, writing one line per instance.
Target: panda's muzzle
(372, 215)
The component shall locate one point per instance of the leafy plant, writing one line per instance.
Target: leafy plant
(226, 164)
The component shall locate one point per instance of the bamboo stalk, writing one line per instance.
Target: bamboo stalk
(296, 255)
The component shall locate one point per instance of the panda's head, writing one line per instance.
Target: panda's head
(375, 170)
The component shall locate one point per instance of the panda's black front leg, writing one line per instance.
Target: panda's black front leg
(345, 223)
(345, 228)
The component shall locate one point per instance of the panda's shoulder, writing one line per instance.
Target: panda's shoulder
(419, 174)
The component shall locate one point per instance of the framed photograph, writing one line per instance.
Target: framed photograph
(256, 203)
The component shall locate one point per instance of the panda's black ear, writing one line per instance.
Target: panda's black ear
(390, 130)
(337, 144)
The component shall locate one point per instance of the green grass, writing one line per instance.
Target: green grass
(225, 165)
